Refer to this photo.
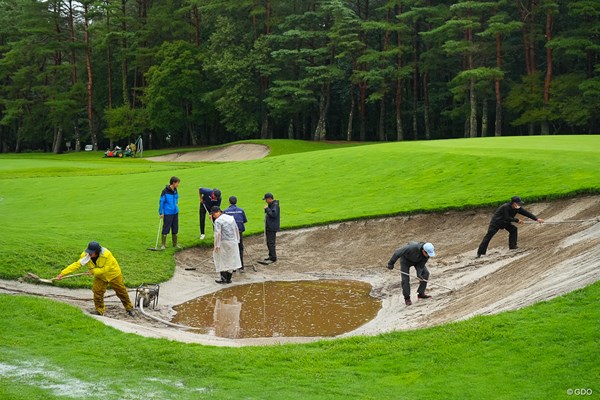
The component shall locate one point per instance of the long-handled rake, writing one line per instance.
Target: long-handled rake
(36, 278)
(431, 283)
(155, 248)
(209, 216)
(569, 221)
(251, 260)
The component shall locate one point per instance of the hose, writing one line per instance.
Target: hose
(141, 306)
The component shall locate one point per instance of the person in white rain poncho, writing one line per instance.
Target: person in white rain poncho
(226, 254)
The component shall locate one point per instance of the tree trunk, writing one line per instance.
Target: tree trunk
(415, 82)
(528, 17)
(351, 114)
(472, 94)
(399, 82)
(426, 86)
(382, 120)
(109, 71)
(321, 130)
(88, 63)
(56, 140)
(265, 132)
(264, 126)
(57, 149)
(196, 15)
(124, 66)
(363, 111)
(72, 40)
(399, 128)
(548, 79)
(18, 144)
(426, 105)
(484, 118)
(77, 137)
(290, 131)
(473, 114)
(498, 121)
(188, 123)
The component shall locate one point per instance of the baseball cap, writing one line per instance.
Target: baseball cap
(428, 247)
(214, 209)
(516, 199)
(232, 200)
(268, 195)
(93, 247)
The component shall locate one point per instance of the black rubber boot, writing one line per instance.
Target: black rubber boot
(223, 279)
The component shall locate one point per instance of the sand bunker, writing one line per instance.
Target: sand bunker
(234, 152)
(553, 259)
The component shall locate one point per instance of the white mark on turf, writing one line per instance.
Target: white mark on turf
(54, 379)
(59, 383)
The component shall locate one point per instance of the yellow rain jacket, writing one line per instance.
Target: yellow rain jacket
(105, 268)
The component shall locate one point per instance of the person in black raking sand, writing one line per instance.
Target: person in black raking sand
(272, 223)
(502, 218)
(209, 198)
(414, 254)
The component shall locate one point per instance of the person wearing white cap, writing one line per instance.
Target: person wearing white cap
(414, 254)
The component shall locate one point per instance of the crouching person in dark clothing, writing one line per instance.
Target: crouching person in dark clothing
(414, 254)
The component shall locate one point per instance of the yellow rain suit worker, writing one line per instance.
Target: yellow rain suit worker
(105, 268)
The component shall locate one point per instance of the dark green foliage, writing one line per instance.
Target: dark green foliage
(213, 71)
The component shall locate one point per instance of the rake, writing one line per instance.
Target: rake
(569, 221)
(431, 283)
(155, 248)
(251, 260)
(36, 278)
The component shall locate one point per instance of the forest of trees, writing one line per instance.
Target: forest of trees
(197, 72)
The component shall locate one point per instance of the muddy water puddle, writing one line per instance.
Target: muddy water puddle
(281, 309)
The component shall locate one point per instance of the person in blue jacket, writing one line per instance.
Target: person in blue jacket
(240, 219)
(209, 198)
(168, 209)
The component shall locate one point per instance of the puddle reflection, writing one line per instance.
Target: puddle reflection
(281, 309)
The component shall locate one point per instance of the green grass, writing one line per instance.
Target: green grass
(51, 206)
(535, 353)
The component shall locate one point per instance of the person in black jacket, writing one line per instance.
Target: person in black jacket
(209, 198)
(502, 218)
(413, 254)
(272, 223)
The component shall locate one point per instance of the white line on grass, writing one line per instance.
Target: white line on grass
(57, 381)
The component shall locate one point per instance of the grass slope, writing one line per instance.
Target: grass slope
(51, 206)
(536, 353)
